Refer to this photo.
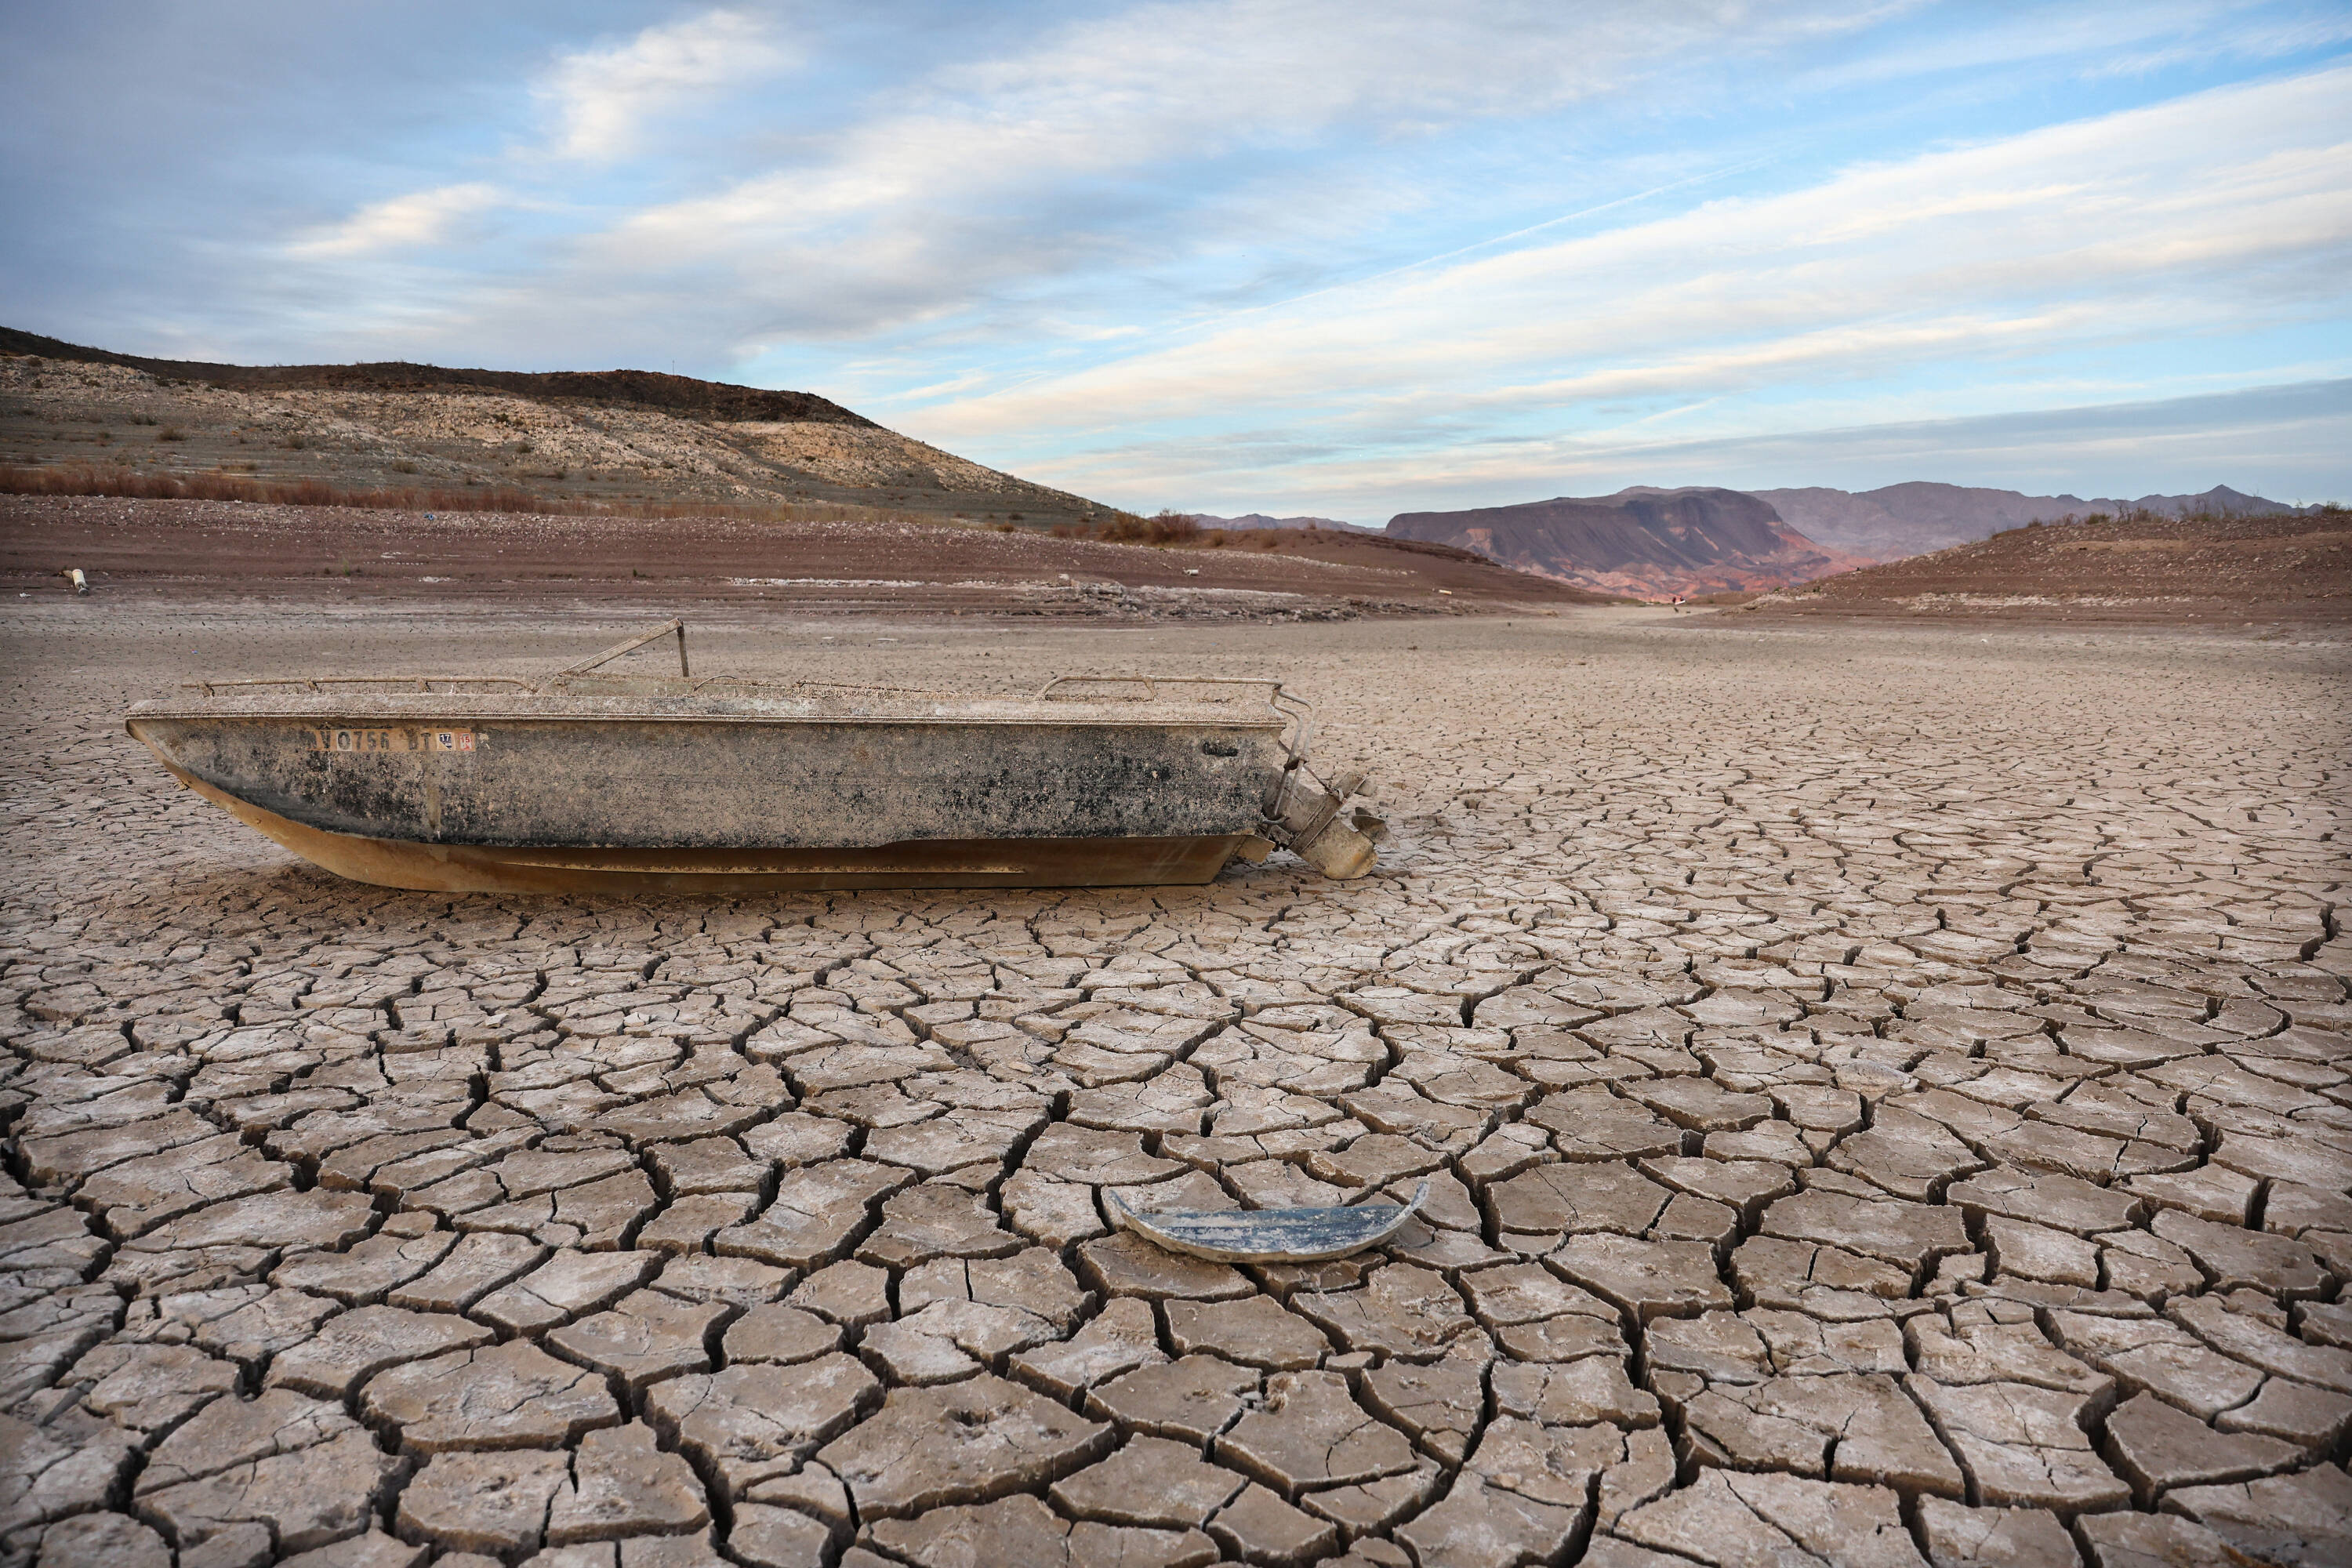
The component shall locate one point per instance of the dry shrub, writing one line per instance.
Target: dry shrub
(1127, 528)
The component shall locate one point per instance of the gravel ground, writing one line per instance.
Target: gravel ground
(1884, 1093)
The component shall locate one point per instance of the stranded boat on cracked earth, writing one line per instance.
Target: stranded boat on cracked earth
(590, 781)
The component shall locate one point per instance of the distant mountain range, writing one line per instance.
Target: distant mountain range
(1641, 541)
(1259, 519)
(1652, 543)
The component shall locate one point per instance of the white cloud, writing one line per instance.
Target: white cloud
(2090, 40)
(990, 170)
(2216, 211)
(1023, 249)
(407, 222)
(601, 100)
(602, 97)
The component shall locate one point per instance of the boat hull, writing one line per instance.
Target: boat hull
(569, 793)
(588, 781)
(1132, 861)
(725, 782)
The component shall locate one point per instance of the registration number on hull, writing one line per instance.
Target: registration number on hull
(390, 740)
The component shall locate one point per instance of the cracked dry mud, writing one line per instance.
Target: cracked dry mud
(1886, 1096)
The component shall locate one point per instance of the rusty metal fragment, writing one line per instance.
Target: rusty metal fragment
(1270, 1235)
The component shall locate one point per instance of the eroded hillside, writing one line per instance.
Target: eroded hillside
(623, 436)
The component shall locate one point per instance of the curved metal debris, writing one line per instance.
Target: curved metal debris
(1271, 1236)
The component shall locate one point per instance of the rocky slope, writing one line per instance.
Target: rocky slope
(2203, 569)
(1642, 541)
(618, 435)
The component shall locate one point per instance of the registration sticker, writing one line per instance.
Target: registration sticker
(390, 740)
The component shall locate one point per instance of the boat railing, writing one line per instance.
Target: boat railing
(459, 685)
(671, 685)
(587, 669)
(1296, 712)
(448, 684)
(583, 666)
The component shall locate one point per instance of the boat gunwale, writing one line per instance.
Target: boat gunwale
(430, 714)
(569, 695)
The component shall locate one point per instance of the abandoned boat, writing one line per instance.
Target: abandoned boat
(586, 780)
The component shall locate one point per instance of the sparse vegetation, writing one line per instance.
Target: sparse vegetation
(171, 433)
(220, 485)
(225, 484)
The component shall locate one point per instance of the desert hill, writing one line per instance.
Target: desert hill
(2210, 568)
(1642, 541)
(623, 436)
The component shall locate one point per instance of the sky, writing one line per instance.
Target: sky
(1287, 256)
